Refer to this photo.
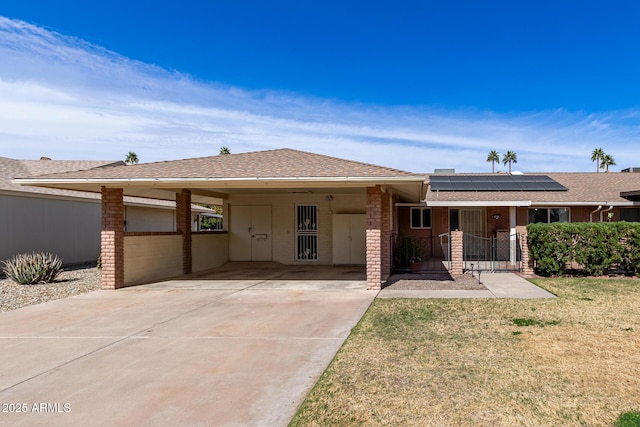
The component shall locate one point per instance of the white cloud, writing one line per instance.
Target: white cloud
(64, 98)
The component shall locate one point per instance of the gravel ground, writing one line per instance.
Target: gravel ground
(433, 281)
(72, 281)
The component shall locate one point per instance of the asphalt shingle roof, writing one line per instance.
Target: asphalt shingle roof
(583, 187)
(15, 168)
(281, 163)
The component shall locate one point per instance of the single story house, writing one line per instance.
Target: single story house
(288, 206)
(295, 207)
(67, 222)
(493, 209)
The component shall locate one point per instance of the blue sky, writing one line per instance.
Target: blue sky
(415, 85)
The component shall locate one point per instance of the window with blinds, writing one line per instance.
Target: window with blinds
(306, 232)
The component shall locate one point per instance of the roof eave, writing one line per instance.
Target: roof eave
(217, 182)
(522, 203)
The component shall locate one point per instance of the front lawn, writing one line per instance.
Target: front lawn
(573, 360)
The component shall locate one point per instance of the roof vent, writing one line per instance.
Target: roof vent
(45, 158)
(632, 170)
(444, 171)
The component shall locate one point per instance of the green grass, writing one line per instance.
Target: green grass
(567, 361)
(628, 419)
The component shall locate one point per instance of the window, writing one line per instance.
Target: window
(630, 214)
(420, 218)
(548, 215)
(306, 233)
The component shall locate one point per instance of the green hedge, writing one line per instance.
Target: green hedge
(595, 246)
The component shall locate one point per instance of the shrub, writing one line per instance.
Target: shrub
(596, 247)
(32, 268)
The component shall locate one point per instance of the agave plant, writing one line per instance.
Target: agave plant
(32, 268)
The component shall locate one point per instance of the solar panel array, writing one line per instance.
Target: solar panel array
(494, 183)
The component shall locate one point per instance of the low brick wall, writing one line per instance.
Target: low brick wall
(151, 256)
(209, 250)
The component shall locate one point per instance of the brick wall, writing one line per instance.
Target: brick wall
(378, 236)
(386, 235)
(457, 263)
(527, 264)
(374, 232)
(112, 238)
(501, 224)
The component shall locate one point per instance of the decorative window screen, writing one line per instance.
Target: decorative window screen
(306, 233)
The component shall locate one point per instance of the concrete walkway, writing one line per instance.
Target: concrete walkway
(234, 352)
(499, 285)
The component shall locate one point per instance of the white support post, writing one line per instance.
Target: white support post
(513, 240)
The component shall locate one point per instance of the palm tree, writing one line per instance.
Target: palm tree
(596, 156)
(224, 150)
(606, 161)
(493, 157)
(131, 158)
(510, 157)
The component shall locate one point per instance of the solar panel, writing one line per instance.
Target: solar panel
(494, 183)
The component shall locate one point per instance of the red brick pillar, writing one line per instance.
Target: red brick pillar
(527, 264)
(183, 226)
(378, 236)
(112, 238)
(386, 235)
(457, 262)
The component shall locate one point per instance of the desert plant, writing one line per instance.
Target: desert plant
(32, 268)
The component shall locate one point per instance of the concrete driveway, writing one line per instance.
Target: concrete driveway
(232, 351)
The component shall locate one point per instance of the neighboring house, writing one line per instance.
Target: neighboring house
(284, 205)
(492, 207)
(66, 223)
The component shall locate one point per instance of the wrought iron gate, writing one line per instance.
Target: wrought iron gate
(496, 253)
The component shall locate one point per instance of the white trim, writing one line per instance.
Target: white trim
(485, 203)
(422, 208)
(548, 208)
(596, 204)
(253, 180)
(522, 203)
(95, 198)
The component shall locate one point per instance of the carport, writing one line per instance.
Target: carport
(284, 206)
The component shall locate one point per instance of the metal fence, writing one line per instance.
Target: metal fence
(495, 253)
(429, 254)
(420, 254)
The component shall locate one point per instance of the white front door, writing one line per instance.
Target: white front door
(250, 233)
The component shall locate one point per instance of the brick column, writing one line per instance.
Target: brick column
(112, 238)
(527, 264)
(378, 237)
(183, 226)
(385, 243)
(457, 262)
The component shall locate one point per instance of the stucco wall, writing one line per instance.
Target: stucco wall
(67, 228)
(209, 250)
(142, 219)
(283, 219)
(148, 258)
